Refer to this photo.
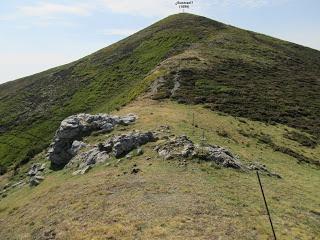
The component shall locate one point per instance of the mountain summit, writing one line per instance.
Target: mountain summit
(188, 58)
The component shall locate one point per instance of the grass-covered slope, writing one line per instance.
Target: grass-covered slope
(232, 70)
(247, 74)
(170, 200)
(31, 108)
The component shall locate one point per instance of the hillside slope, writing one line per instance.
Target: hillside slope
(172, 199)
(189, 58)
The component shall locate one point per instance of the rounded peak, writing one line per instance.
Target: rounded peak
(190, 20)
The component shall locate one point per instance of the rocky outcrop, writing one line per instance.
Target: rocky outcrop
(67, 145)
(117, 146)
(66, 141)
(183, 147)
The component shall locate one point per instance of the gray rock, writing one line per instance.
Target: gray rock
(177, 147)
(75, 173)
(221, 156)
(36, 168)
(183, 148)
(9, 186)
(262, 169)
(91, 157)
(18, 184)
(129, 119)
(74, 128)
(117, 146)
(33, 171)
(123, 144)
(39, 177)
(82, 171)
(42, 167)
(85, 169)
(76, 147)
(35, 180)
(139, 151)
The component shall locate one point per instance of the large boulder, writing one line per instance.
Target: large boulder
(74, 128)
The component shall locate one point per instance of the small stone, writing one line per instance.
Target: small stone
(85, 170)
(139, 151)
(41, 178)
(78, 172)
(34, 182)
(18, 184)
(33, 170)
(42, 167)
(135, 171)
(156, 148)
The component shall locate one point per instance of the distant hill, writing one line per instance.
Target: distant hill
(188, 58)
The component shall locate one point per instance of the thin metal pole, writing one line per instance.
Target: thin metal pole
(265, 203)
(202, 142)
(193, 124)
(192, 119)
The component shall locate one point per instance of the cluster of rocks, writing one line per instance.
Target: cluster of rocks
(117, 146)
(35, 174)
(262, 169)
(34, 177)
(65, 149)
(66, 142)
(9, 186)
(183, 147)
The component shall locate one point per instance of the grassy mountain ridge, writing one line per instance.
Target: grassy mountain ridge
(229, 69)
(168, 199)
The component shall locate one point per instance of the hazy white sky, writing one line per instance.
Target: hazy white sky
(40, 34)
